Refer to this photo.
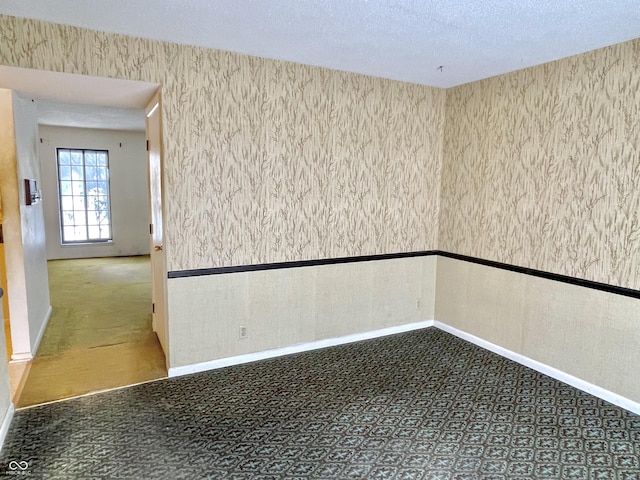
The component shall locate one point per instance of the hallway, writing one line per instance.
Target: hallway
(99, 335)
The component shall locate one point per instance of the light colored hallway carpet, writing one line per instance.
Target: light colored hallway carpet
(99, 335)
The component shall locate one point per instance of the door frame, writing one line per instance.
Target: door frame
(157, 254)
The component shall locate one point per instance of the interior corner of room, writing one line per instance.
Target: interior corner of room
(535, 169)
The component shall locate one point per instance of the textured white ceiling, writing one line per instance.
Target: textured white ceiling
(84, 89)
(89, 116)
(400, 39)
(80, 100)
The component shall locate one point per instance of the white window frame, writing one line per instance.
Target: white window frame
(85, 203)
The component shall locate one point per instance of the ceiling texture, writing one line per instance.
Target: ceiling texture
(439, 43)
(405, 40)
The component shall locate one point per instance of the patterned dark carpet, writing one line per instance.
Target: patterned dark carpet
(420, 405)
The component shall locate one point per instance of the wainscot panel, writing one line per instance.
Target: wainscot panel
(586, 333)
(285, 307)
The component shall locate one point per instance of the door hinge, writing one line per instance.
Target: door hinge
(151, 229)
(147, 145)
(153, 308)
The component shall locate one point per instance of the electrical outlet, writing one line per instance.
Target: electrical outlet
(418, 304)
(244, 332)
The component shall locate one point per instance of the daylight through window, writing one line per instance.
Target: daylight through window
(83, 186)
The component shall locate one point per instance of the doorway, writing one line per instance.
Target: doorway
(99, 93)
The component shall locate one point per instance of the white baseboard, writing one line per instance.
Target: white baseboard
(21, 357)
(34, 349)
(6, 422)
(303, 347)
(599, 392)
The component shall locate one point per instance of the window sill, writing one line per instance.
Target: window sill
(110, 243)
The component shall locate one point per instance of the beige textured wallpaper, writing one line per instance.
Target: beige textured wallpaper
(268, 161)
(271, 161)
(541, 167)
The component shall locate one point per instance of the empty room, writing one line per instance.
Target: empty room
(388, 239)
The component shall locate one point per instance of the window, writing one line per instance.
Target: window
(83, 186)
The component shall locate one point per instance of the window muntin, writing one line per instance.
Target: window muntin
(83, 189)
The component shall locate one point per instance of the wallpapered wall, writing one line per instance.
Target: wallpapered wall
(271, 161)
(541, 167)
(268, 161)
